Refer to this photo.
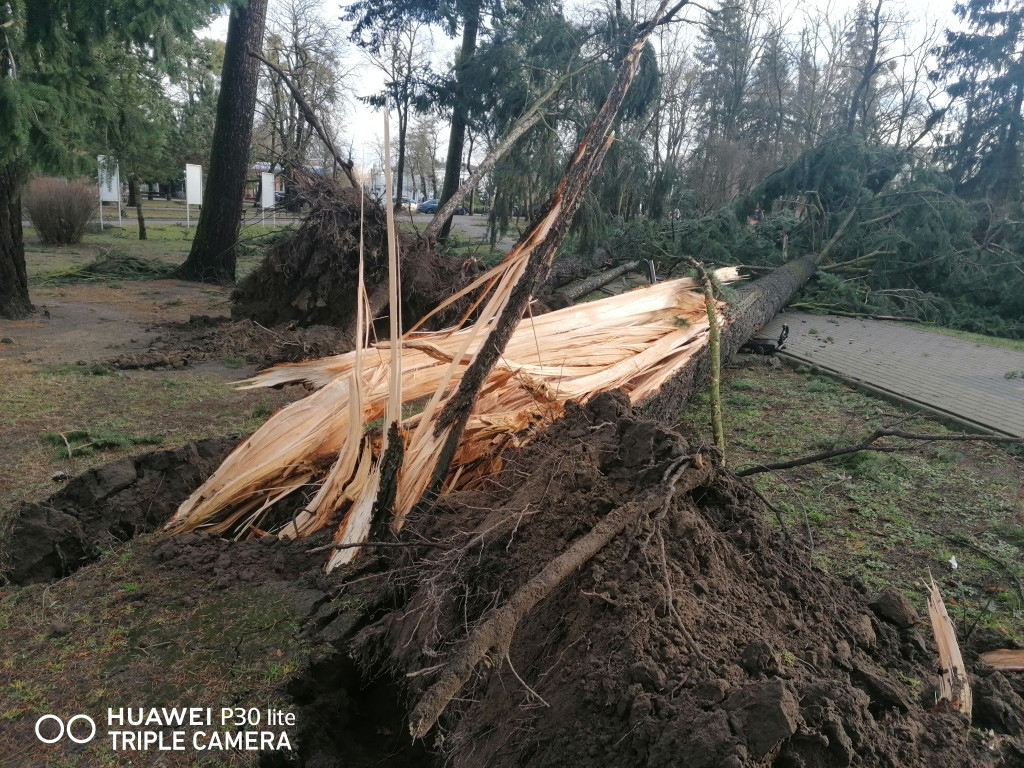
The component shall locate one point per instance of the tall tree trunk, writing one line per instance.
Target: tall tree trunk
(213, 254)
(403, 125)
(133, 194)
(14, 301)
(460, 113)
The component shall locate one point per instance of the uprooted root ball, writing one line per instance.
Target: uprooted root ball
(310, 277)
(700, 637)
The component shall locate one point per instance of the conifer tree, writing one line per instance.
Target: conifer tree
(986, 62)
(53, 82)
(215, 246)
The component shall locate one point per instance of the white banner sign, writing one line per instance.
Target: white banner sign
(194, 185)
(110, 180)
(268, 198)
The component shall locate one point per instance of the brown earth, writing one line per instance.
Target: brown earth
(761, 659)
(701, 637)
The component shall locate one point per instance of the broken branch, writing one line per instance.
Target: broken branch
(868, 444)
(953, 684)
(309, 115)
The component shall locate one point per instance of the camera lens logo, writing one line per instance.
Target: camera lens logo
(47, 725)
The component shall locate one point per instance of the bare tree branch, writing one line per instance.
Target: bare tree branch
(310, 115)
(868, 444)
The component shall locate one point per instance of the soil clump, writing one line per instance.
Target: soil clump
(106, 505)
(310, 277)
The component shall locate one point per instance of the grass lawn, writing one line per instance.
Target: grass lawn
(996, 341)
(167, 243)
(884, 518)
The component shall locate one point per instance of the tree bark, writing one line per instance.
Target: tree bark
(214, 249)
(133, 194)
(403, 125)
(460, 115)
(14, 301)
(575, 291)
(756, 304)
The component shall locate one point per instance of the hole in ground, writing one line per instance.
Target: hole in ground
(346, 721)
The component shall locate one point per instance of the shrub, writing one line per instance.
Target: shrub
(59, 209)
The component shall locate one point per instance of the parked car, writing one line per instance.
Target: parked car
(431, 206)
(407, 204)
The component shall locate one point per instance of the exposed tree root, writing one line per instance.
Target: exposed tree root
(497, 630)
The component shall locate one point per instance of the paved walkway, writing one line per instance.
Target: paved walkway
(959, 379)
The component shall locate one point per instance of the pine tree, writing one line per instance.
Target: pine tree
(985, 65)
(214, 248)
(52, 85)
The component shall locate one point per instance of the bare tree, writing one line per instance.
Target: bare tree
(404, 59)
(311, 55)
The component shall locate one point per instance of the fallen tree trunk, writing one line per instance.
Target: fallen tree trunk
(645, 342)
(576, 291)
(757, 304)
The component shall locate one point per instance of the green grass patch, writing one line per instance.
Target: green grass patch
(136, 633)
(978, 338)
(102, 437)
(64, 369)
(879, 516)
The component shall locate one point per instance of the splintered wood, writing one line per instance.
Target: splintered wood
(1005, 659)
(953, 684)
(635, 341)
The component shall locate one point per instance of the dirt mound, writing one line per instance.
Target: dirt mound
(105, 505)
(702, 638)
(204, 338)
(310, 277)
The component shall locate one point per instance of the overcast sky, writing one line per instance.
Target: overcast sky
(363, 126)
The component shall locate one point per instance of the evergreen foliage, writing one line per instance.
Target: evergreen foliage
(988, 89)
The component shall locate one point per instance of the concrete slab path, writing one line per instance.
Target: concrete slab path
(962, 380)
